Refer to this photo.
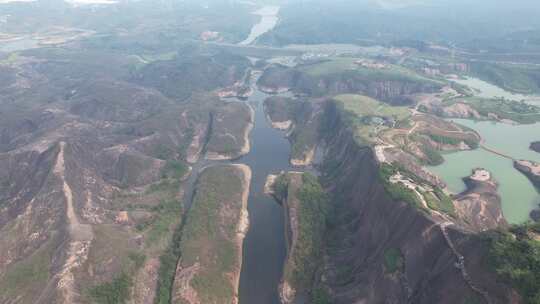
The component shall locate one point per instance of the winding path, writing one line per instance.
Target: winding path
(460, 264)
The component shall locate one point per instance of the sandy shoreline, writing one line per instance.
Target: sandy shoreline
(279, 125)
(307, 161)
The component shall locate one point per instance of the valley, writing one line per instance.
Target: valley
(238, 152)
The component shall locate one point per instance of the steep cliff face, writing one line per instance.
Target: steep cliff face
(385, 251)
(277, 79)
(388, 87)
(394, 91)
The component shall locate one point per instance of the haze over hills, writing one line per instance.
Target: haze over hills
(269, 152)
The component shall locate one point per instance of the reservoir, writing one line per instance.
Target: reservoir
(488, 90)
(269, 19)
(518, 194)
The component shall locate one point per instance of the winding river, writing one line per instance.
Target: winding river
(264, 249)
(264, 245)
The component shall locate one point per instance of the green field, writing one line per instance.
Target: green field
(358, 108)
(330, 67)
(29, 275)
(365, 106)
(341, 64)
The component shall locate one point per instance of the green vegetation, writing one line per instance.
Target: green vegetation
(514, 78)
(229, 124)
(340, 64)
(166, 219)
(209, 234)
(165, 186)
(332, 66)
(454, 141)
(303, 140)
(434, 157)
(361, 106)
(281, 109)
(369, 116)
(137, 258)
(167, 269)
(445, 140)
(175, 169)
(168, 212)
(434, 197)
(439, 201)
(473, 300)
(114, 249)
(344, 75)
(281, 186)
(320, 296)
(192, 72)
(516, 258)
(517, 111)
(28, 275)
(115, 292)
(393, 260)
(398, 191)
(312, 214)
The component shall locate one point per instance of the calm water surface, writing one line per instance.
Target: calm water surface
(264, 245)
(269, 19)
(518, 194)
(488, 90)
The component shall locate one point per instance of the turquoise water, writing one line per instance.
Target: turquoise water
(518, 194)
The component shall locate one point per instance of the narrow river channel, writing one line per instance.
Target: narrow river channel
(264, 246)
(264, 249)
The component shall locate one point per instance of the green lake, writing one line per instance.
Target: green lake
(518, 194)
